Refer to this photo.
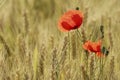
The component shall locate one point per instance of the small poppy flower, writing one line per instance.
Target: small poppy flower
(70, 20)
(93, 47)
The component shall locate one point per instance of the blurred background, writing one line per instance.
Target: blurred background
(29, 33)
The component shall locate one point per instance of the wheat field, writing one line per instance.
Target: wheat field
(33, 48)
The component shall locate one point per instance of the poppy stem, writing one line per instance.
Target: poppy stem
(69, 46)
(69, 53)
(79, 35)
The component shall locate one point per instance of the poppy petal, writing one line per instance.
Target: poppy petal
(77, 20)
(66, 26)
(99, 54)
(92, 46)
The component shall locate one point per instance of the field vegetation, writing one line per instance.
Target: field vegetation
(33, 48)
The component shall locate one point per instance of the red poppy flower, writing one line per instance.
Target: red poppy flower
(93, 47)
(70, 20)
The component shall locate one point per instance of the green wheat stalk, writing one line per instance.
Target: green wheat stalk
(35, 62)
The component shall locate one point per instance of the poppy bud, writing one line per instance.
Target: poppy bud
(77, 8)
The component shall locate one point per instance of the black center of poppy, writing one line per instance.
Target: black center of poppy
(75, 27)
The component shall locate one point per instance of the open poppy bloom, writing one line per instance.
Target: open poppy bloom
(70, 20)
(93, 47)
